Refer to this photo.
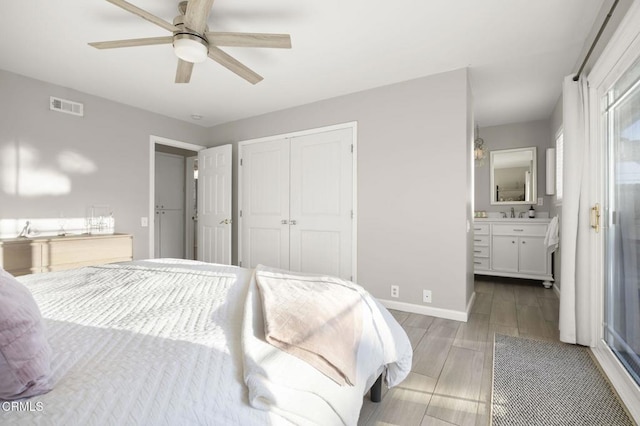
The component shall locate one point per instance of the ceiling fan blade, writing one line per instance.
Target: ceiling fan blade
(282, 41)
(233, 65)
(131, 42)
(197, 14)
(144, 14)
(183, 73)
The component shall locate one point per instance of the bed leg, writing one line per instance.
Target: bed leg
(376, 390)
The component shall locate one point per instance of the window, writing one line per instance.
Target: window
(622, 306)
(559, 165)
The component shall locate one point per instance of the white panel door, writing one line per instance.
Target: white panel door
(322, 203)
(214, 205)
(265, 204)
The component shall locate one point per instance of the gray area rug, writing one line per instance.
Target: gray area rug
(547, 383)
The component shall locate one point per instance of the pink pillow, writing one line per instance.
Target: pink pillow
(24, 352)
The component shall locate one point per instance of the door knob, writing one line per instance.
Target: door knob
(284, 221)
(226, 222)
(293, 222)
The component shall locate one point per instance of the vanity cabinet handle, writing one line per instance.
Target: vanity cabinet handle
(478, 263)
(477, 251)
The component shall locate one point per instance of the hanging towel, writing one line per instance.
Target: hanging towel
(551, 239)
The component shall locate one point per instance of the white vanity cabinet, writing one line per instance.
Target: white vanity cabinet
(481, 248)
(515, 249)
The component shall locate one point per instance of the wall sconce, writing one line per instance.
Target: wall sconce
(479, 151)
(551, 171)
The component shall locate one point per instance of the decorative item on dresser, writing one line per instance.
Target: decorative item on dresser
(512, 248)
(20, 256)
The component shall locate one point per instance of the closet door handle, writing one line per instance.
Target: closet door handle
(293, 222)
(284, 221)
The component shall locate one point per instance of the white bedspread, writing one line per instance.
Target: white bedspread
(160, 343)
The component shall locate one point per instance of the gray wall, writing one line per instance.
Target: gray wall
(414, 171)
(112, 137)
(516, 135)
(414, 175)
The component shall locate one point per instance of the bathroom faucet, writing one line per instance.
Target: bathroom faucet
(513, 213)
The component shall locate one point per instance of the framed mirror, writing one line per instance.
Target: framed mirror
(513, 176)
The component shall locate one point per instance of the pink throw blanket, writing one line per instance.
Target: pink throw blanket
(315, 318)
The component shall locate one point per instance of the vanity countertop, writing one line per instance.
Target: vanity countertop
(511, 219)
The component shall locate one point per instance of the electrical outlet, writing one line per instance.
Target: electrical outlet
(395, 291)
(144, 222)
(426, 296)
(541, 201)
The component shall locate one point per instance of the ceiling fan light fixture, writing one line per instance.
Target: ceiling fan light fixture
(190, 47)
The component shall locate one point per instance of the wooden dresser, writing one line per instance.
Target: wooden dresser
(20, 256)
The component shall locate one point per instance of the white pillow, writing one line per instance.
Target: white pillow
(25, 355)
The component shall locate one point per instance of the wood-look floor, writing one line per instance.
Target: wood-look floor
(450, 381)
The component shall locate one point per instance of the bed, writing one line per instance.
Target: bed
(183, 342)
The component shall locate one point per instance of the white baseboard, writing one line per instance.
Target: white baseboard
(427, 310)
(556, 290)
(472, 300)
(626, 387)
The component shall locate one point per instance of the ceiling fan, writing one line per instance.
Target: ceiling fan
(193, 42)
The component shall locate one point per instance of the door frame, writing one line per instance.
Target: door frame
(621, 52)
(153, 140)
(353, 126)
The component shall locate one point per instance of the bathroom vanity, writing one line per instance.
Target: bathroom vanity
(512, 248)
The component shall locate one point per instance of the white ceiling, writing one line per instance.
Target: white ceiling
(517, 52)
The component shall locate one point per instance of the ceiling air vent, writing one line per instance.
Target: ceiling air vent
(66, 106)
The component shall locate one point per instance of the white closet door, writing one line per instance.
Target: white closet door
(169, 218)
(322, 203)
(169, 186)
(214, 204)
(171, 233)
(265, 204)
